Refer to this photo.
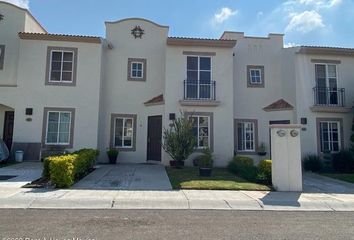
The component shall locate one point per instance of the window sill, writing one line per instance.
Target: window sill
(246, 153)
(202, 103)
(122, 149)
(331, 109)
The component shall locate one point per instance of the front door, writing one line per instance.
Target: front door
(154, 138)
(8, 128)
(270, 135)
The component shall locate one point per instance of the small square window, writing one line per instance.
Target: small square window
(136, 69)
(255, 76)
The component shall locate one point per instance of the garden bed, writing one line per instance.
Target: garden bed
(221, 179)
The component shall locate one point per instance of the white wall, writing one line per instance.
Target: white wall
(222, 73)
(127, 97)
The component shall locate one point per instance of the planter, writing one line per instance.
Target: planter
(262, 153)
(112, 159)
(205, 172)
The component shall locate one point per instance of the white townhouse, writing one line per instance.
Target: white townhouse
(66, 92)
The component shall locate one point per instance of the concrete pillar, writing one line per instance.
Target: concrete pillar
(286, 157)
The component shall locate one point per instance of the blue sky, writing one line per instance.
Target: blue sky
(304, 22)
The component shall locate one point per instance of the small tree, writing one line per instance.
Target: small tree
(179, 140)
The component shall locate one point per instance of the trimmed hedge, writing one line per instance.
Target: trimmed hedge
(312, 163)
(244, 167)
(64, 170)
(265, 171)
(343, 161)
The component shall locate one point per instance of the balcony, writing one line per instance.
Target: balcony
(329, 100)
(199, 93)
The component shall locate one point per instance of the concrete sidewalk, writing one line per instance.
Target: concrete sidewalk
(183, 199)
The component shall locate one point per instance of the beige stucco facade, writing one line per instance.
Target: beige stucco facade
(104, 88)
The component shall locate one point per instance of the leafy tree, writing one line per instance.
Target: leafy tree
(179, 140)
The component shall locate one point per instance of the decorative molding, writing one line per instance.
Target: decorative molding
(331, 109)
(280, 105)
(140, 60)
(325, 61)
(191, 53)
(137, 32)
(201, 103)
(136, 19)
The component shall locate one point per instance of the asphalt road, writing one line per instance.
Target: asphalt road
(174, 224)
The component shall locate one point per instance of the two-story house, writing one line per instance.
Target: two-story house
(69, 92)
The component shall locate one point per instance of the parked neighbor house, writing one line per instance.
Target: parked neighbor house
(68, 92)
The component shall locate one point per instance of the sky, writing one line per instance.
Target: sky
(304, 22)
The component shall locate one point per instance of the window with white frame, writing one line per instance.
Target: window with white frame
(255, 76)
(201, 130)
(123, 132)
(246, 136)
(61, 66)
(137, 69)
(58, 127)
(330, 136)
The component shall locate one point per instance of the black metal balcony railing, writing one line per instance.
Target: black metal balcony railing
(199, 90)
(325, 96)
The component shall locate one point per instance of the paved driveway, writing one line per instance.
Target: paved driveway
(314, 183)
(126, 177)
(24, 173)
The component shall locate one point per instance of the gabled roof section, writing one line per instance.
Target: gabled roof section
(326, 50)
(280, 105)
(201, 42)
(28, 12)
(59, 37)
(158, 100)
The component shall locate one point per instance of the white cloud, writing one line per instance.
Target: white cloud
(305, 22)
(290, 44)
(20, 3)
(260, 15)
(318, 3)
(224, 14)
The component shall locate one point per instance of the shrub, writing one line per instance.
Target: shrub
(312, 162)
(64, 170)
(265, 171)
(197, 160)
(343, 161)
(206, 160)
(244, 167)
(179, 140)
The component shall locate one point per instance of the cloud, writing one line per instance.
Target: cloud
(224, 14)
(290, 44)
(20, 3)
(321, 3)
(305, 22)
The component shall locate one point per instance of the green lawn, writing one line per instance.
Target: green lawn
(348, 177)
(221, 179)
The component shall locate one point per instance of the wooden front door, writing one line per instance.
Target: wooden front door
(154, 138)
(8, 128)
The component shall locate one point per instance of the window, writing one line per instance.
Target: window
(201, 130)
(2, 56)
(61, 66)
(330, 136)
(246, 135)
(123, 134)
(326, 84)
(58, 126)
(255, 76)
(123, 131)
(136, 69)
(199, 84)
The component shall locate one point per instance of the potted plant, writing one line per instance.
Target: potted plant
(206, 163)
(262, 149)
(179, 140)
(112, 155)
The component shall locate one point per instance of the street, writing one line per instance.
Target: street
(173, 224)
